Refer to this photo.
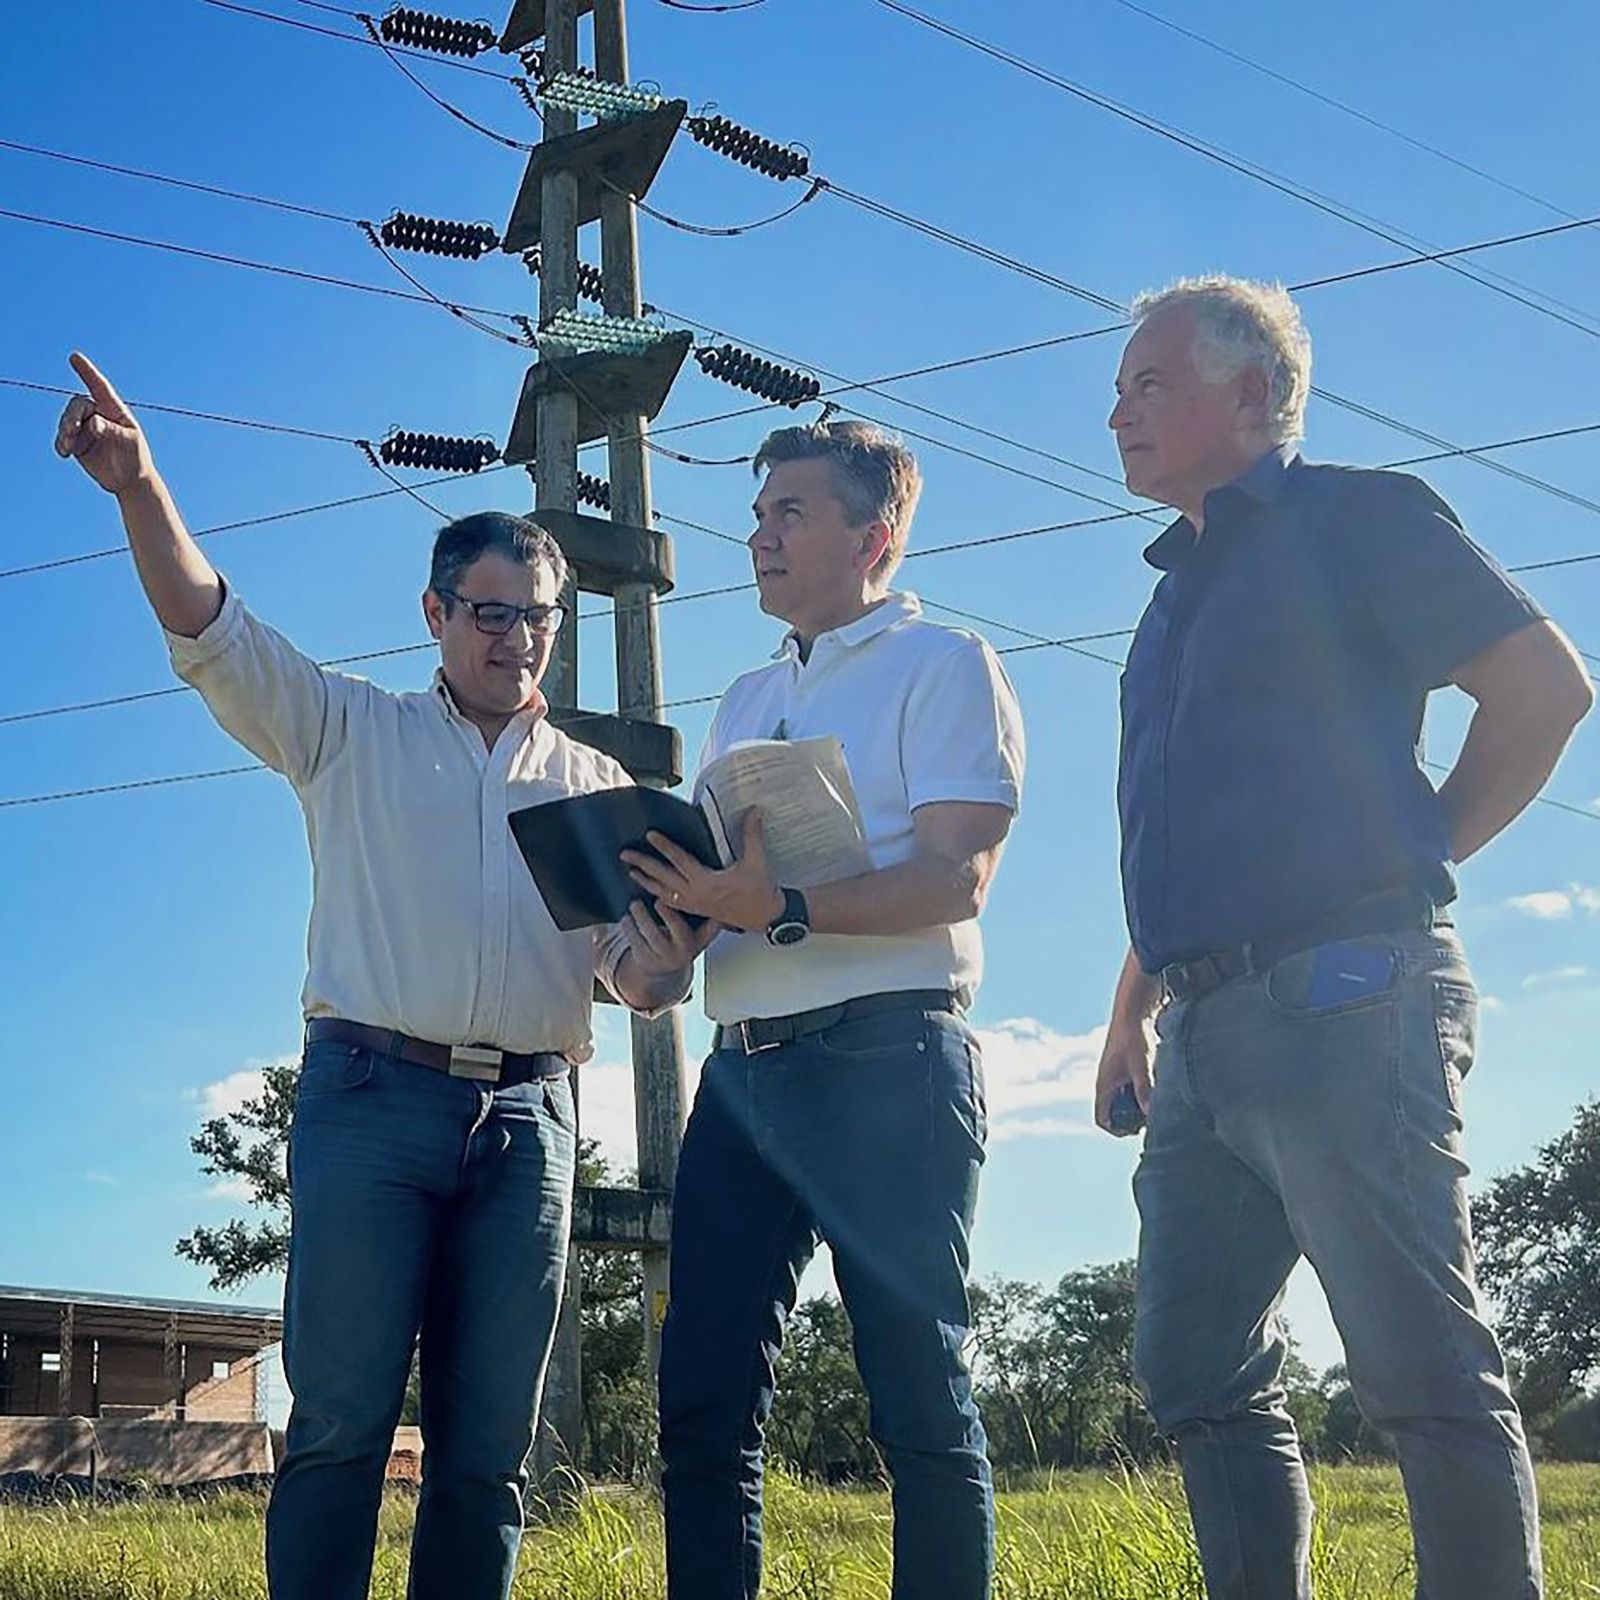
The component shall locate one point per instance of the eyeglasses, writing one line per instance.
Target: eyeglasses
(500, 616)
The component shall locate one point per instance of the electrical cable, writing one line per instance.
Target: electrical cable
(444, 105)
(1497, 284)
(1347, 109)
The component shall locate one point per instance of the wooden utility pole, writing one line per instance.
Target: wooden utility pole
(574, 178)
(559, 1427)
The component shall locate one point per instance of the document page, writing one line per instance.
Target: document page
(807, 803)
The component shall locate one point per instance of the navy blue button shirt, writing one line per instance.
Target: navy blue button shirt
(1273, 699)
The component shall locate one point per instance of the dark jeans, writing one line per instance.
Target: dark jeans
(1283, 1128)
(421, 1203)
(869, 1136)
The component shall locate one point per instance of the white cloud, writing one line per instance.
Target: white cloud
(227, 1095)
(1031, 1073)
(230, 1189)
(1491, 1002)
(1539, 980)
(605, 1111)
(107, 1180)
(1553, 905)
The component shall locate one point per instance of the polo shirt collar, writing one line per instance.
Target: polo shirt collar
(896, 606)
(1261, 483)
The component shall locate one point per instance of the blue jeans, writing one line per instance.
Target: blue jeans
(1283, 1128)
(869, 1136)
(422, 1203)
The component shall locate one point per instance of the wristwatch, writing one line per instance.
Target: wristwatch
(792, 925)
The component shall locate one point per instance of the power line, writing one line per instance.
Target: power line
(1344, 107)
(1039, 641)
(354, 38)
(874, 385)
(1117, 514)
(220, 259)
(1546, 305)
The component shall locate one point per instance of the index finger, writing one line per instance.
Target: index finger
(104, 396)
(674, 854)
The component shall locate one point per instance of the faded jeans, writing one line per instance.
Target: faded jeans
(1278, 1130)
(869, 1136)
(422, 1203)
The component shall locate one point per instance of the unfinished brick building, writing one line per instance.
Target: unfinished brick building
(115, 1356)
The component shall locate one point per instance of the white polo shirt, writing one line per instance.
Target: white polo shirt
(925, 713)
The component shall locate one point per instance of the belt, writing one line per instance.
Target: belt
(478, 1062)
(767, 1033)
(1198, 975)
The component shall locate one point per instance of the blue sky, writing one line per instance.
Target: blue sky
(153, 941)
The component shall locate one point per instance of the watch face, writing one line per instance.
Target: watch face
(789, 933)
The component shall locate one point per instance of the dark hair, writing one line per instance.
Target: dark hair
(874, 476)
(518, 539)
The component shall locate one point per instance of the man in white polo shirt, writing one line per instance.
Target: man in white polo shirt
(432, 1150)
(843, 1100)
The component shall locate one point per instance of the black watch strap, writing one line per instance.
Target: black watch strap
(793, 923)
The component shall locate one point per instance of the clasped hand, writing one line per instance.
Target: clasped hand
(742, 896)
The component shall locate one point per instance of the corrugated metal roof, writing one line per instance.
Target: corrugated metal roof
(24, 1310)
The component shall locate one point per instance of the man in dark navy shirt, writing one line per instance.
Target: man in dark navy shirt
(1287, 867)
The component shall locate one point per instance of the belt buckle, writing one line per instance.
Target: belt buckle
(477, 1062)
(751, 1048)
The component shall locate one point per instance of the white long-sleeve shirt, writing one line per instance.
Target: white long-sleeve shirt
(424, 916)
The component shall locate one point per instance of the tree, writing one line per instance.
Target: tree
(1538, 1238)
(819, 1420)
(248, 1147)
(1003, 1313)
(1055, 1369)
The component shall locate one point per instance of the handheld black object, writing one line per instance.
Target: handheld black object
(1124, 1114)
(573, 849)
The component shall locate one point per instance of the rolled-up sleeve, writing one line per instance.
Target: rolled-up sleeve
(279, 704)
(610, 946)
(961, 738)
(1437, 597)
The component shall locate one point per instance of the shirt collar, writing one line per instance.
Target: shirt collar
(1261, 483)
(441, 691)
(898, 605)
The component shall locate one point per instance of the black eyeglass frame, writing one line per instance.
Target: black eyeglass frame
(534, 615)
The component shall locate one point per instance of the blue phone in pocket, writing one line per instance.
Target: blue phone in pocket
(1346, 970)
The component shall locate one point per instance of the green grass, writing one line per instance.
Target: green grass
(1071, 1537)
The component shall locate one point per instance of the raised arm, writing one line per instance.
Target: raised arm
(99, 432)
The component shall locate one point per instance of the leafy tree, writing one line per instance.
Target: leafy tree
(1538, 1238)
(248, 1147)
(819, 1420)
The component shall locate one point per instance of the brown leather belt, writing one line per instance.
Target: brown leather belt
(1384, 913)
(767, 1033)
(481, 1063)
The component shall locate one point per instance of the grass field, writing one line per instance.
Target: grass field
(1077, 1537)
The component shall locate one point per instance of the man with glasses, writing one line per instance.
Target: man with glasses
(431, 1154)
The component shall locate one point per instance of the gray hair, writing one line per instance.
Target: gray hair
(1240, 323)
(875, 477)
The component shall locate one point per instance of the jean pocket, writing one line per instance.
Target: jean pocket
(332, 1069)
(1336, 979)
(869, 1038)
(978, 1095)
(1455, 1022)
(558, 1103)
